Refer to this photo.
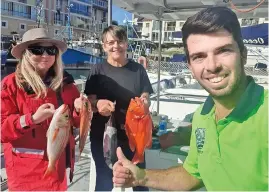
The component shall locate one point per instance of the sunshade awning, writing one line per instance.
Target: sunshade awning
(254, 34)
(182, 9)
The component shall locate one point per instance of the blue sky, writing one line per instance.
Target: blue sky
(118, 14)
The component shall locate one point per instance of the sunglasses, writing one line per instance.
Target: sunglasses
(39, 50)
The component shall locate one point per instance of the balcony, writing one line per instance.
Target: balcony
(17, 14)
(58, 22)
(99, 3)
(22, 1)
(79, 12)
(86, 1)
(170, 28)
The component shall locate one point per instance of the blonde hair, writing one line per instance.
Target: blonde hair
(26, 73)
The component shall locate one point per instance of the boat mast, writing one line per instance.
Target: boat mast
(39, 8)
(68, 24)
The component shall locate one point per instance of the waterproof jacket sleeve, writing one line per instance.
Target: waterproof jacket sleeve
(13, 123)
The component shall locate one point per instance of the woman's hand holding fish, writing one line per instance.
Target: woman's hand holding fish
(125, 173)
(44, 112)
(78, 103)
(105, 107)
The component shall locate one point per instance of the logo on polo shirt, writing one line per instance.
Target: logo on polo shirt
(200, 139)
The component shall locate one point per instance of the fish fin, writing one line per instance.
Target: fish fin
(55, 134)
(130, 137)
(149, 144)
(132, 145)
(149, 133)
(50, 170)
(79, 157)
(80, 150)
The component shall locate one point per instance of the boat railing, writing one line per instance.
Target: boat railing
(180, 98)
(78, 66)
(181, 68)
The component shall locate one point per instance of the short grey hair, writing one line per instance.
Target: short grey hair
(115, 31)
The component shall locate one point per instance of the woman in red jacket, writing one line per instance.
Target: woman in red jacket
(29, 98)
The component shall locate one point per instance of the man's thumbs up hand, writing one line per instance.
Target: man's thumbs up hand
(125, 173)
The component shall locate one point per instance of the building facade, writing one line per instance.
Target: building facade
(149, 29)
(88, 18)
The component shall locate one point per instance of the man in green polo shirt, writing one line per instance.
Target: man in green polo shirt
(229, 143)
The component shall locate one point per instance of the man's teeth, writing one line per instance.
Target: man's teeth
(216, 79)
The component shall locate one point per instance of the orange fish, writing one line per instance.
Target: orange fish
(138, 127)
(85, 123)
(57, 136)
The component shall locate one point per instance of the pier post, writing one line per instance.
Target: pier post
(159, 66)
(109, 14)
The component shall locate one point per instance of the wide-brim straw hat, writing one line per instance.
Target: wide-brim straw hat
(33, 36)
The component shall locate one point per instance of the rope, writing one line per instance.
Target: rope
(246, 10)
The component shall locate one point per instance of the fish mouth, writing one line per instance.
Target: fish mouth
(66, 108)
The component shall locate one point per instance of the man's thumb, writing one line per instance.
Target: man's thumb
(121, 156)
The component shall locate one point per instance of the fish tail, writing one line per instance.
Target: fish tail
(50, 170)
(81, 146)
(79, 157)
(138, 158)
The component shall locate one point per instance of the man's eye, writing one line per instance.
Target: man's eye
(196, 58)
(225, 50)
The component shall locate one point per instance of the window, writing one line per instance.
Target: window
(247, 22)
(181, 24)
(56, 32)
(168, 36)
(147, 25)
(23, 26)
(155, 36)
(4, 24)
(170, 26)
(155, 25)
(22, 1)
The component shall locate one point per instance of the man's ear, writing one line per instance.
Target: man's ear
(244, 55)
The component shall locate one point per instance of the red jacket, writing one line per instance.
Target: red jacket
(25, 143)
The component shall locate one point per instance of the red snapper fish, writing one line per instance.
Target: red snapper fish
(57, 136)
(85, 123)
(138, 127)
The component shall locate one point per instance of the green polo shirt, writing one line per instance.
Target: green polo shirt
(232, 154)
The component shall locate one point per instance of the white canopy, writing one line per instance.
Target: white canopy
(182, 9)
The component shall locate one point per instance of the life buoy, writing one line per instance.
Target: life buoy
(143, 60)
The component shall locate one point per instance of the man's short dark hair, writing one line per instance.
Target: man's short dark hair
(116, 31)
(211, 20)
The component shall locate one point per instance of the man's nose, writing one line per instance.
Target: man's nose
(213, 64)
